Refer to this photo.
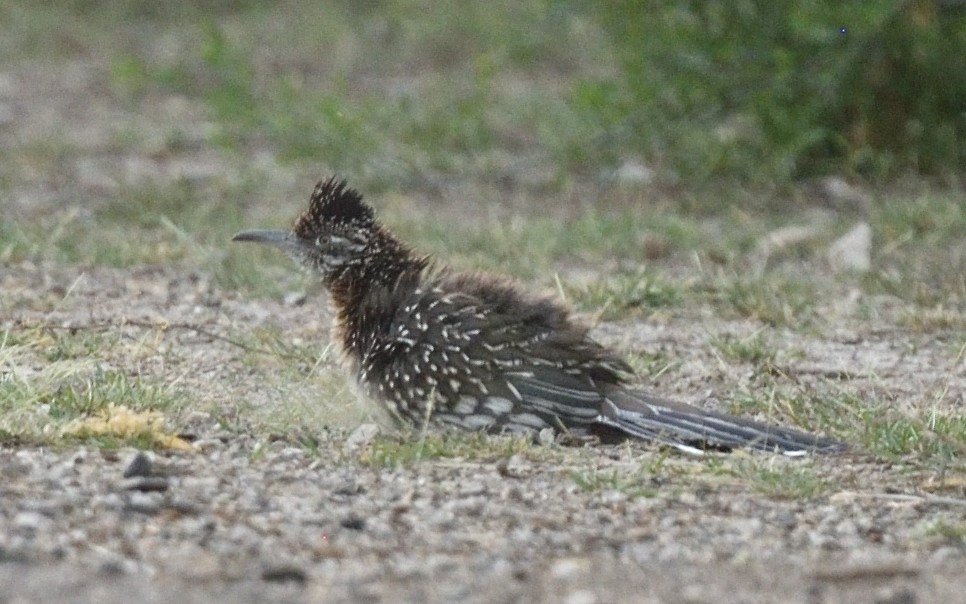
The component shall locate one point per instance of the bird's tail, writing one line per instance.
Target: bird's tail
(695, 430)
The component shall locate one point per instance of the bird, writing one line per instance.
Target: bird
(477, 351)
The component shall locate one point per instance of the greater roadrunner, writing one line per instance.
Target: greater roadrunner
(476, 352)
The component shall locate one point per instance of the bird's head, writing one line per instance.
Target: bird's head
(331, 237)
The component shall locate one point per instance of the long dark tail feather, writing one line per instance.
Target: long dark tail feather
(695, 430)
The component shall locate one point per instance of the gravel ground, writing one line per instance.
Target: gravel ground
(216, 526)
(247, 519)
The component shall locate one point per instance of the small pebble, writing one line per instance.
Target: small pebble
(144, 503)
(360, 438)
(28, 521)
(513, 467)
(353, 523)
(139, 466)
(294, 299)
(284, 573)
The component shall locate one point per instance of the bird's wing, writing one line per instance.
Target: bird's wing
(499, 371)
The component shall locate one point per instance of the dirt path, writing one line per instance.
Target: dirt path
(245, 518)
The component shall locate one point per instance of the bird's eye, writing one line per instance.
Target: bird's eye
(322, 240)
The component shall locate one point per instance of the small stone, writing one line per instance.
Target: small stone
(349, 489)
(360, 438)
(182, 506)
(567, 568)
(294, 299)
(353, 523)
(140, 466)
(889, 595)
(144, 503)
(852, 251)
(291, 453)
(112, 568)
(633, 172)
(28, 521)
(513, 467)
(205, 445)
(581, 596)
(839, 194)
(283, 573)
(17, 555)
(472, 488)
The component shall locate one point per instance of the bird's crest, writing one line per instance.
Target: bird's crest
(333, 203)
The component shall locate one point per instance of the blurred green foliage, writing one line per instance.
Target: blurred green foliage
(394, 91)
(760, 91)
(786, 89)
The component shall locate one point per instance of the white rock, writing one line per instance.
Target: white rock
(852, 251)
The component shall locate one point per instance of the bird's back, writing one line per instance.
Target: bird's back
(473, 351)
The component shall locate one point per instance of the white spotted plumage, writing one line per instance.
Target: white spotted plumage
(476, 352)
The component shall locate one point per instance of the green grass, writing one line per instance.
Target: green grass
(40, 405)
(921, 259)
(641, 292)
(633, 485)
(935, 436)
(782, 479)
(652, 364)
(53, 381)
(950, 531)
(752, 349)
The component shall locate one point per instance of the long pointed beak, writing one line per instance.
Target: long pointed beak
(285, 240)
